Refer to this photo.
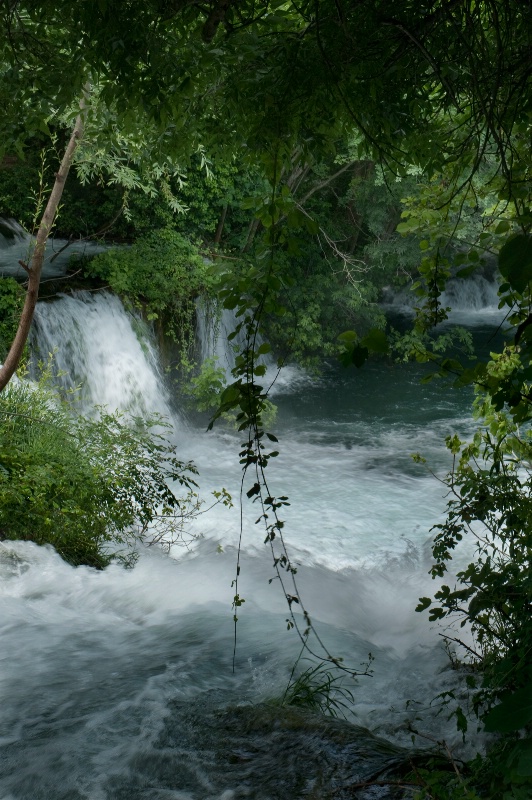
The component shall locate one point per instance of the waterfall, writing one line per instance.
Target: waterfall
(100, 348)
(16, 245)
(212, 332)
(473, 301)
(119, 683)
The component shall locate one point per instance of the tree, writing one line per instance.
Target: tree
(424, 84)
(34, 268)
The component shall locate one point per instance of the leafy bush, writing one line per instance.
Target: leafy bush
(162, 273)
(11, 302)
(490, 489)
(87, 486)
(205, 388)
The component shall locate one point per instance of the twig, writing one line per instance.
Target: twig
(463, 644)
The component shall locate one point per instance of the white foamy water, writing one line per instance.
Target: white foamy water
(127, 675)
(472, 302)
(16, 245)
(102, 350)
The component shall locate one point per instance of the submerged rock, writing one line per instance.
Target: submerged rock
(262, 752)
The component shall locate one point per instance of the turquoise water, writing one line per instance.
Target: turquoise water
(119, 684)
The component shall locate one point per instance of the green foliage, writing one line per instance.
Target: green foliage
(515, 262)
(491, 499)
(84, 210)
(163, 274)
(17, 187)
(207, 386)
(320, 302)
(207, 194)
(92, 488)
(459, 223)
(441, 779)
(357, 350)
(11, 303)
(462, 225)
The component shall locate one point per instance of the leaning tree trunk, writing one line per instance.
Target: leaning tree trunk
(34, 268)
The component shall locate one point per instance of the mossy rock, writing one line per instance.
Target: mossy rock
(262, 752)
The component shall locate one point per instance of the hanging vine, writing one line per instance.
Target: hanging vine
(252, 294)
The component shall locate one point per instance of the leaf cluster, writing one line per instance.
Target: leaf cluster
(91, 488)
(162, 274)
(11, 303)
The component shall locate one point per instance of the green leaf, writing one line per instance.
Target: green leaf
(376, 341)
(523, 751)
(502, 227)
(404, 227)
(512, 713)
(515, 262)
(465, 272)
(230, 395)
(348, 336)
(424, 602)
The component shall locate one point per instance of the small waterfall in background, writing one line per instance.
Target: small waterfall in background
(100, 348)
(16, 245)
(212, 330)
(473, 301)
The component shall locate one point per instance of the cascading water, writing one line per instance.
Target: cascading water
(16, 245)
(99, 349)
(473, 301)
(212, 331)
(117, 685)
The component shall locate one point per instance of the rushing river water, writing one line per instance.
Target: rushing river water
(119, 684)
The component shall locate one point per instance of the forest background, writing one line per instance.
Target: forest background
(314, 154)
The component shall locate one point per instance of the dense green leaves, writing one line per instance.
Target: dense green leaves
(512, 713)
(11, 302)
(163, 274)
(515, 262)
(92, 488)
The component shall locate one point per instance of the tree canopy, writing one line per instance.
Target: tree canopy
(405, 75)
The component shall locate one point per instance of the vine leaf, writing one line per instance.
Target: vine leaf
(515, 262)
(512, 713)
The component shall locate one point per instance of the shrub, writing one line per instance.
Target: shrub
(92, 488)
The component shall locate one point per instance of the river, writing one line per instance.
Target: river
(119, 684)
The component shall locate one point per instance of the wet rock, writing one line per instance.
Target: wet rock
(262, 752)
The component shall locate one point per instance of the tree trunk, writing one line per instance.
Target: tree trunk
(220, 226)
(34, 268)
(252, 232)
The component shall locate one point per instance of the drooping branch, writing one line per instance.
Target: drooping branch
(34, 268)
(322, 184)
